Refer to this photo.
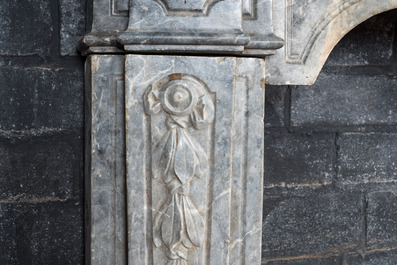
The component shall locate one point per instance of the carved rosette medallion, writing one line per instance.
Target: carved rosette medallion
(177, 159)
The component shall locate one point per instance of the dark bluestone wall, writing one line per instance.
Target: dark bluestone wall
(330, 193)
(330, 149)
(41, 132)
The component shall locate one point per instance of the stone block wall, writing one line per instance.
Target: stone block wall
(330, 149)
(41, 132)
(330, 190)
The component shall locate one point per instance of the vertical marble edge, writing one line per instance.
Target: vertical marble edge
(120, 170)
(136, 186)
(254, 68)
(87, 159)
(99, 177)
(105, 155)
(239, 135)
(222, 174)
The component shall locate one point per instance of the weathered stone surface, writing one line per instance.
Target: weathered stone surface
(367, 157)
(72, 25)
(382, 220)
(276, 102)
(298, 158)
(370, 43)
(40, 232)
(27, 27)
(385, 257)
(323, 223)
(345, 100)
(40, 97)
(40, 169)
(187, 126)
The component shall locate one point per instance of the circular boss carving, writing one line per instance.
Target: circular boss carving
(178, 97)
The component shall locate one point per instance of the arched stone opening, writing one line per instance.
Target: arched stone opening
(311, 30)
(330, 152)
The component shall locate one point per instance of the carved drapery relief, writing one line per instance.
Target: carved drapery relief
(177, 158)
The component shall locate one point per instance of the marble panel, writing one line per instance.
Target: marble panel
(194, 144)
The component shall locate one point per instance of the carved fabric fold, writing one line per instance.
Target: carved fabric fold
(178, 154)
(177, 262)
(176, 159)
(181, 226)
(203, 113)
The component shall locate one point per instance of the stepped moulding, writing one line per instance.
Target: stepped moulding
(223, 27)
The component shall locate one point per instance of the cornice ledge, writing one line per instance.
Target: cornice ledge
(218, 27)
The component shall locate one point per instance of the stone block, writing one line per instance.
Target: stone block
(382, 220)
(39, 97)
(72, 25)
(292, 158)
(334, 260)
(28, 27)
(321, 224)
(8, 239)
(42, 233)
(345, 100)
(370, 43)
(35, 169)
(381, 257)
(367, 157)
(276, 105)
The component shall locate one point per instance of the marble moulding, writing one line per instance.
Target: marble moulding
(221, 27)
(180, 140)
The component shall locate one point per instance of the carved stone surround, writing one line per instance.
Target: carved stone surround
(174, 142)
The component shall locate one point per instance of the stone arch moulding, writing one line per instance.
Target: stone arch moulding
(311, 30)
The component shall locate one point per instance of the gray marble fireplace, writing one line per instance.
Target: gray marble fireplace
(175, 108)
